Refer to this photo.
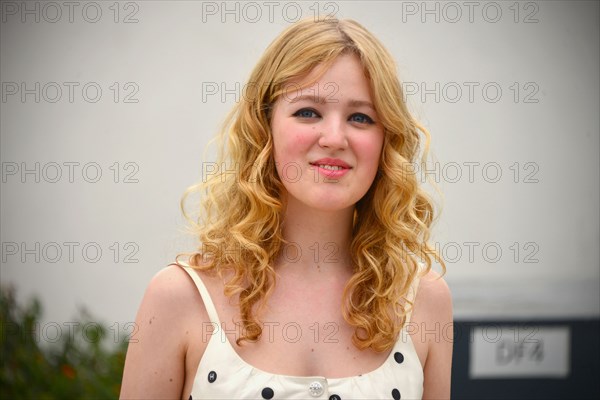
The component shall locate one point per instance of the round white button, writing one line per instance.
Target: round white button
(315, 389)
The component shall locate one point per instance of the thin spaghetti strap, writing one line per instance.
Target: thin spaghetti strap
(208, 303)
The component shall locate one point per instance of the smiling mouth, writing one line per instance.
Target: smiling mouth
(333, 170)
(330, 167)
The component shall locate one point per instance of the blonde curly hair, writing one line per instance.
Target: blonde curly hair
(240, 220)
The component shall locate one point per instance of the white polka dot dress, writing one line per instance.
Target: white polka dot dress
(223, 374)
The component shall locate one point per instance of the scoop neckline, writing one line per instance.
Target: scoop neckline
(401, 333)
(330, 380)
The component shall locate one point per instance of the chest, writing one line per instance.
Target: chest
(303, 334)
(298, 350)
(303, 324)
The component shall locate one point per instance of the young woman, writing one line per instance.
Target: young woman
(314, 275)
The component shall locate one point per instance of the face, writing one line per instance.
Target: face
(327, 137)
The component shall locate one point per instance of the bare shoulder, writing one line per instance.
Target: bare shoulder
(173, 286)
(433, 311)
(169, 315)
(172, 295)
(434, 299)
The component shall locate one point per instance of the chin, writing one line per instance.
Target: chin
(324, 201)
(332, 204)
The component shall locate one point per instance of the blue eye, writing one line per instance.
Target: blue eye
(306, 113)
(361, 119)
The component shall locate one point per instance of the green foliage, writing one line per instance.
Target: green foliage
(55, 361)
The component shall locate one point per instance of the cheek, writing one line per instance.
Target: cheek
(291, 144)
(369, 149)
(292, 140)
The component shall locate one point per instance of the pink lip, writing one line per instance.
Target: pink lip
(331, 161)
(334, 162)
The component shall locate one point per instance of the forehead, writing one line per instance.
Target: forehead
(343, 79)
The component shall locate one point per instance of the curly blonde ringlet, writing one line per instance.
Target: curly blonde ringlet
(239, 226)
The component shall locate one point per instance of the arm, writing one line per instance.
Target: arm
(436, 301)
(155, 362)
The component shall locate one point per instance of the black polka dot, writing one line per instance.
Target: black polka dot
(267, 393)
(335, 397)
(396, 394)
(212, 376)
(399, 357)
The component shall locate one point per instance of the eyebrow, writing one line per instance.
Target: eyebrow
(323, 100)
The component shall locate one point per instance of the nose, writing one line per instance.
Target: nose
(333, 136)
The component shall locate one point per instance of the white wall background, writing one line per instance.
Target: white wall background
(541, 133)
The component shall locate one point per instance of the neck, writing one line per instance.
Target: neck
(318, 241)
